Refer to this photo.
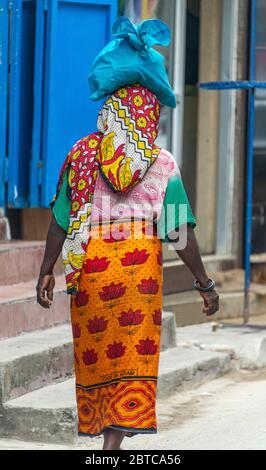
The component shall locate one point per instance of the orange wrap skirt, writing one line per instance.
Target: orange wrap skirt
(116, 323)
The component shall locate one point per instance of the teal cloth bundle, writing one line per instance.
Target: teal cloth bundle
(129, 58)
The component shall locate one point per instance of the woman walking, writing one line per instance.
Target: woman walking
(109, 218)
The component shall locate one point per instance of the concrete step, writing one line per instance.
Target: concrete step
(168, 330)
(182, 368)
(258, 289)
(187, 306)
(19, 311)
(33, 360)
(246, 344)
(258, 268)
(178, 278)
(49, 414)
(5, 233)
(20, 261)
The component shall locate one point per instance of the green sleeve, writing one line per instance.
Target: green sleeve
(61, 206)
(176, 209)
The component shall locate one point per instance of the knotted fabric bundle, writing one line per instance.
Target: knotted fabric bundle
(130, 58)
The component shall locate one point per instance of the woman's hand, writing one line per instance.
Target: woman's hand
(44, 290)
(46, 282)
(192, 258)
(211, 302)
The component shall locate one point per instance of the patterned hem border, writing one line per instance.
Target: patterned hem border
(120, 428)
(135, 430)
(130, 378)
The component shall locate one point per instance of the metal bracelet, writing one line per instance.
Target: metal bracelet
(210, 287)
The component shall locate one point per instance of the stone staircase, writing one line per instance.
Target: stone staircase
(20, 264)
(230, 285)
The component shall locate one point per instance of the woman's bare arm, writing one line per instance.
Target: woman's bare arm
(190, 255)
(46, 282)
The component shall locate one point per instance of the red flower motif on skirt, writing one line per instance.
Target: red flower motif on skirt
(135, 257)
(89, 356)
(160, 258)
(81, 298)
(97, 325)
(148, 286)
(157, 317)
(115, 350)
(117, 235)
(113, 291)
(76, 330)
(96, 265)
(131, 318)
(146, 346)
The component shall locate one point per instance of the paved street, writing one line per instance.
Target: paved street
(226, 413)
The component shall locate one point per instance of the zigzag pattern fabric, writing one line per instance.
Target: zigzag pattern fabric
(129, 122)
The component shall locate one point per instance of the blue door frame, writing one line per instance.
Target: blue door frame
(22, 20)
(4, 36)
(76, 31)
(17, 20)
(44, 94)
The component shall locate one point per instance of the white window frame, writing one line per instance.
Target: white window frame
(178, 79)
(226, 164)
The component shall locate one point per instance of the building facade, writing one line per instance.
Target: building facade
(207, 131)
(44, 99)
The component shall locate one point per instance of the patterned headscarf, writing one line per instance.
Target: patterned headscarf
(123, 150)
(129, 123)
